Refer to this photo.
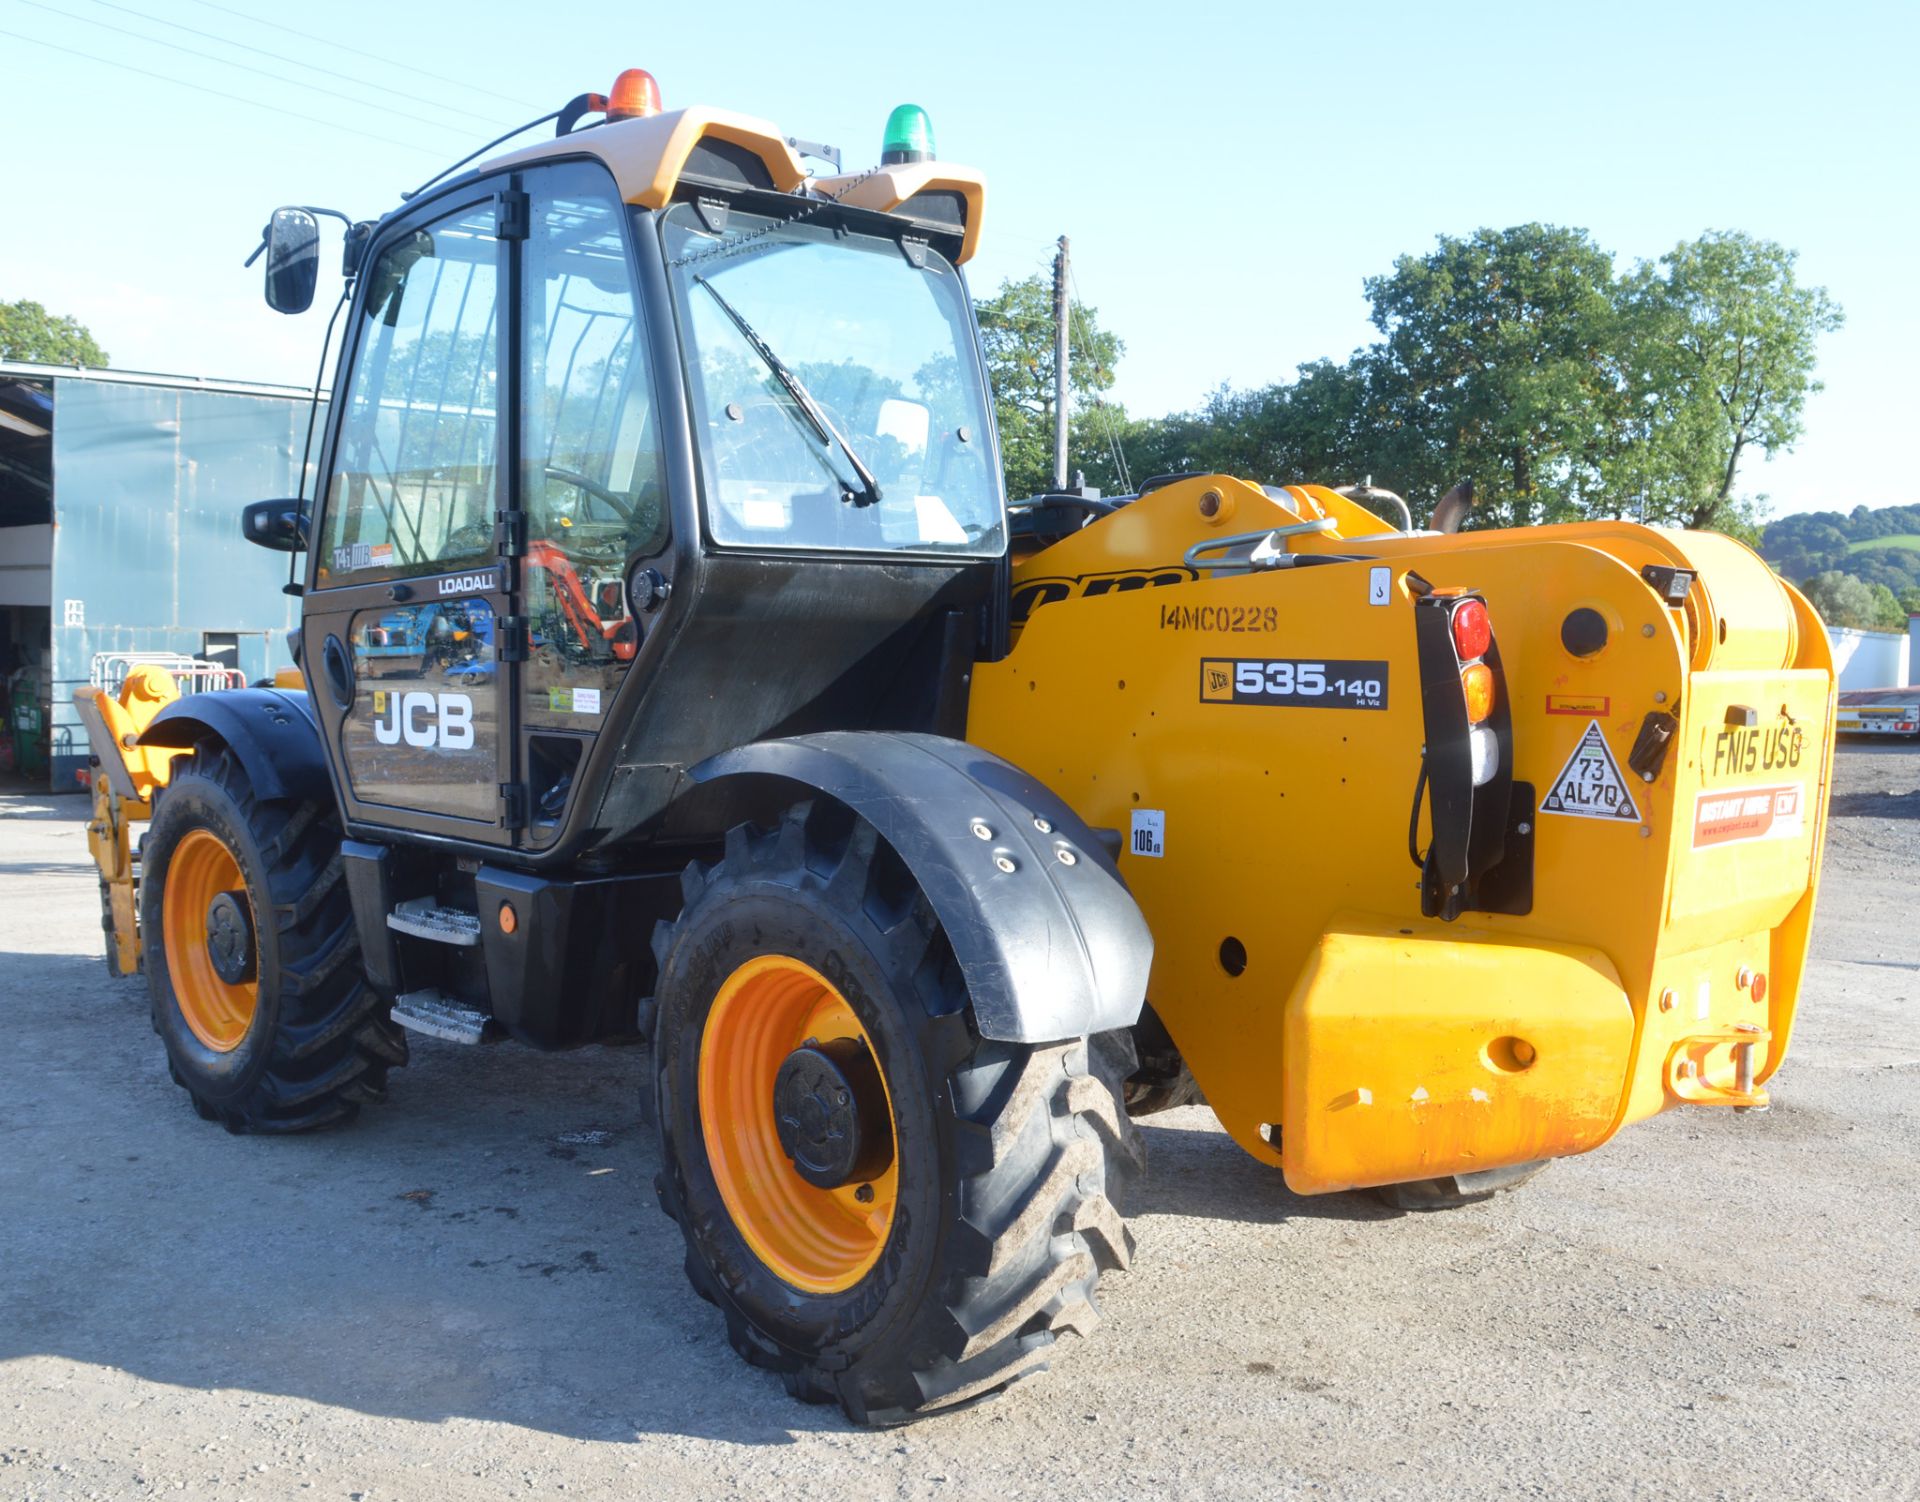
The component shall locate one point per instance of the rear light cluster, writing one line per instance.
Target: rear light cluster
(1466, 771)
(1472, 634)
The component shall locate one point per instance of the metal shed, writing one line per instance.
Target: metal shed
(120, 495)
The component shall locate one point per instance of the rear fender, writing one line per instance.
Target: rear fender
(1049, 939)
(271, 730)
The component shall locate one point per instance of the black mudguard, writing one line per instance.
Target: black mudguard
(271, 730)
(1055, 947)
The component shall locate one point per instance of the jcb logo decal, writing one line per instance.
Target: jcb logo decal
(424, 720)
(1030, 595)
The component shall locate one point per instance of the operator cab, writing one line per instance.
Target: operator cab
(644, 445)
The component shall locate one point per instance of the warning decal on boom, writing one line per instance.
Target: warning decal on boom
(1590, 785)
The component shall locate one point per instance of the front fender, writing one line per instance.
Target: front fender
(1052, 948)
(271, 730)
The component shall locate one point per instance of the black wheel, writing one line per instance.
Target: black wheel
(1456, 1189)
(252, 962)
(891, 1211)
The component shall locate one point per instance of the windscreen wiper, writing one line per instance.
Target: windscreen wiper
(802, 398)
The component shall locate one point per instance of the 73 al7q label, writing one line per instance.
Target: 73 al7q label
(1302, 682)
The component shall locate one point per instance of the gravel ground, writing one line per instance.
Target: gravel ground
(471, 1293)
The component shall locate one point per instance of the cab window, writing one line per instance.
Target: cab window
(413, 488)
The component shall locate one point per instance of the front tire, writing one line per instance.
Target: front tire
(252, 960)
(999, 1204)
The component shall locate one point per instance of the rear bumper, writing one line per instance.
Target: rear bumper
(1418, 1052)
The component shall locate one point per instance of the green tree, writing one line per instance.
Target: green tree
(1498, 362)
(1843, 600)
(1017, 329)
(1519, 359)
(1888, 613)
(1720, 342)
(29, 332)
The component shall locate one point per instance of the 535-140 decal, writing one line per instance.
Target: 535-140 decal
(1318, 683)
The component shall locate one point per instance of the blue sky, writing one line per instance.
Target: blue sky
(1228, 172)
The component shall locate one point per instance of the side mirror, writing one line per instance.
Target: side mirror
(293, 260)
(277, 525)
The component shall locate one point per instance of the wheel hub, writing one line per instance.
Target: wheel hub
(830, 1111)
(230, 938)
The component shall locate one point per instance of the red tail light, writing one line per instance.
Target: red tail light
(1472, 632)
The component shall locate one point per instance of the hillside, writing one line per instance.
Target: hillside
(1876, 545)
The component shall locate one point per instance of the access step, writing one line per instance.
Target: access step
(426, 919)
(431, 1013)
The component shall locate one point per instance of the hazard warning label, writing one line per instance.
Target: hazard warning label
(1590, 785)
(1732, 818)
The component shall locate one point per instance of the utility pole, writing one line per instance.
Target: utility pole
(1061, 312)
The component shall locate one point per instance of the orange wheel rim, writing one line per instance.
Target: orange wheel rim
(217, 1011)
(819, 1240)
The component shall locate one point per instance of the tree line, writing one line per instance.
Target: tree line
(1860, 568)
(1520, 358)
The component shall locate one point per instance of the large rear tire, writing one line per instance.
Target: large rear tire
(252, 961)
(942, 1274)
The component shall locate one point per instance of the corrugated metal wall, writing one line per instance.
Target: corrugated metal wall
(148, 483)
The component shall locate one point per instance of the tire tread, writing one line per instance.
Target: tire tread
(335, 1040)
(1044, 1155)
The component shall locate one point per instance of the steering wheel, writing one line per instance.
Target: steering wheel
(620, 505)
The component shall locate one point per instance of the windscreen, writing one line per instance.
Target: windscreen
(838, 400)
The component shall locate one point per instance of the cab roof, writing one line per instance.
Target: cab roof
(649, 156)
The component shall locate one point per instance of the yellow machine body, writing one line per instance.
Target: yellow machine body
(1335, 1030)
(125, 777)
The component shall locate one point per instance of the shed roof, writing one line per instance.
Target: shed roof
(32, 371)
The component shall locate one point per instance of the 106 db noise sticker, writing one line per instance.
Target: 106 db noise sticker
(1590, 785)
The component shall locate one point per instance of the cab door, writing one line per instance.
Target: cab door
(411, 630)
(594, 515)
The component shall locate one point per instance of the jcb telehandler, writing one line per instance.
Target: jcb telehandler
(925, 842)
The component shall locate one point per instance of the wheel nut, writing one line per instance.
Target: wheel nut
(1067, 857)
(1743, 977)
(1005, 863)
(1042, 825)
(981, 831)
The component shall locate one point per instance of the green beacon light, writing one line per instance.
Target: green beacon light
(909, 136)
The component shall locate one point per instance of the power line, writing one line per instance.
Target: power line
(279, 57)
(200, 88)
(227, 62)
(308, 36)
